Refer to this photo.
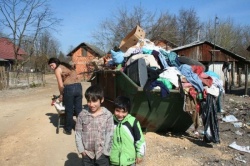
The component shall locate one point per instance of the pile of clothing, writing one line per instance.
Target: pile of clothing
(166, 70)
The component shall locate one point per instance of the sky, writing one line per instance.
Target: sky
(80, 18)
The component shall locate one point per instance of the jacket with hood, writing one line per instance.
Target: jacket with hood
(128, 141)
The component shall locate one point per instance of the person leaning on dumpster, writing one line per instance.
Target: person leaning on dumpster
(94, 129)
(128, 147)
(70, 89)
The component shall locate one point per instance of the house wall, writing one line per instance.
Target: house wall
(203, 53)
(80, 62)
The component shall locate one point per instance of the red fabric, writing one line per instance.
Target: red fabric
(193, 93)
(206, 80)
(198, 107)
(197, 69)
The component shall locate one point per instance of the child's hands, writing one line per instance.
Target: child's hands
(61, 98)
(138, 160)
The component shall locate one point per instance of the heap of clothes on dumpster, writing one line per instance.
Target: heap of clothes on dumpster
(166, 70)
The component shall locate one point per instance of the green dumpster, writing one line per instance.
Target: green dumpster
(166, 114)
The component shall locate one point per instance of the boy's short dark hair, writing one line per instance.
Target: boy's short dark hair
(93, 93)
(123, 102)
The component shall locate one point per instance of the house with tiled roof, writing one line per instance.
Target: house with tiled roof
(7, 55)
(82, 55)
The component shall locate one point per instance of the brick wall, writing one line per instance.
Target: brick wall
(81, 62)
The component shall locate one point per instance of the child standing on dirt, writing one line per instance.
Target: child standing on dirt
(94, 129)
(128, 147)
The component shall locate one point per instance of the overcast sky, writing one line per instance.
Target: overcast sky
(81, 17)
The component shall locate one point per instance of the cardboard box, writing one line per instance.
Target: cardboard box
(132, 38)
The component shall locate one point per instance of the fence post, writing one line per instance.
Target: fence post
(8, 79)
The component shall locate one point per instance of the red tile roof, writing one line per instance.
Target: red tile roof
(7, 52)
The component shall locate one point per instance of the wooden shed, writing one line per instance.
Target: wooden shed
(82, 55)
(213, 57)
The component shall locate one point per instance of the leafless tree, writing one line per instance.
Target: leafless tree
(228, 35)
(45, 46)
(242, 45)
(111, 31)
(180, 29)
(188, 26)
(26, 19)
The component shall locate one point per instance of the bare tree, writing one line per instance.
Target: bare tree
(47, 45)
(180, 29)
(23, 18)
(242, 44)
(188, 26)
(228, 35)
(111, 31)
(165, 27)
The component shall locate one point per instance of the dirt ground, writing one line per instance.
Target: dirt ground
(28, 134)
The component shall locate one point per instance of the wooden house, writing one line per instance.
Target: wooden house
(7, 55)
(213, 57)
(82, 55)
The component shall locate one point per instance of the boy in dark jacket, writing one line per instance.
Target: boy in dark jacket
(128, 145)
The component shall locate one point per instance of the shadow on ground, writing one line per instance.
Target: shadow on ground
(73, 160)
(53, 118)
(239, 91)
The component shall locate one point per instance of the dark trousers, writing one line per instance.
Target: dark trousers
(101, 161)
(72, 100)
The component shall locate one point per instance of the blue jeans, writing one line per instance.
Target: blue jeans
(72, 100)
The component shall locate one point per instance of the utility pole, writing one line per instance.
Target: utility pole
(213, 54)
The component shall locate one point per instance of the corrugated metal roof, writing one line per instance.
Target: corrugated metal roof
(7, 52)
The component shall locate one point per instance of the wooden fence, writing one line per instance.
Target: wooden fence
(3, 79)
(10, 80)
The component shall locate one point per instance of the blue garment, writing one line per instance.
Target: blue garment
(146, 50)
(213, 74)
(72, 100)
(192, 77)
(117, 57)
(164, 89)
(160, 59)
(171, 58)
(163, 61)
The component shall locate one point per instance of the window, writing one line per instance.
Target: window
(84, 51)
